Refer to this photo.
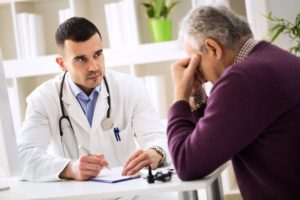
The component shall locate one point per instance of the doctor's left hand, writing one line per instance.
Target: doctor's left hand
(86, 167)
(140, 159)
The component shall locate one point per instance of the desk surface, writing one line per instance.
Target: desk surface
(87, 189)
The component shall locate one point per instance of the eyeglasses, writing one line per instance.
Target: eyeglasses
(164, 176)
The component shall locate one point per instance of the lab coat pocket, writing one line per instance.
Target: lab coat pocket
(124, 141)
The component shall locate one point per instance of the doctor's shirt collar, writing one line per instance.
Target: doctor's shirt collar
(77, 91)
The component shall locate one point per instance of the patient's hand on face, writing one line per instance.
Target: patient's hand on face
(86, 167)
(187, 77)
(199, 80)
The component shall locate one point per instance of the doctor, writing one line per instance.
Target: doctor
(107, 113)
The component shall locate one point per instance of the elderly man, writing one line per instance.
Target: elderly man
(252, 115)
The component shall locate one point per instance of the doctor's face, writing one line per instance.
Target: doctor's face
(84, 61)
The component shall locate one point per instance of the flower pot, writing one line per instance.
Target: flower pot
(161, 29)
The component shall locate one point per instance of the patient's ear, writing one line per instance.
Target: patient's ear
(213, 47)
(61, 63)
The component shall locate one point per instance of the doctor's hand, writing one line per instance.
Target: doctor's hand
(86, 167)
(187, 77)
(140, 159)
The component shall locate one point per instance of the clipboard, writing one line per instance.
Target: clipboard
(113, 176)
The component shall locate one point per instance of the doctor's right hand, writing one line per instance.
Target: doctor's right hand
(86, 167)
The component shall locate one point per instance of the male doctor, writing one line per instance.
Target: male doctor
(106, 114)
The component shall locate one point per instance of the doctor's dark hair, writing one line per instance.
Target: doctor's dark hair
(77, 29)
(215, 22)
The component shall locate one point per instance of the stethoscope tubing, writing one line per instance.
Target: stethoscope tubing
(66, 117)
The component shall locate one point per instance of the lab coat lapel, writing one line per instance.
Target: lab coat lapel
(101, 108)
(73, 108)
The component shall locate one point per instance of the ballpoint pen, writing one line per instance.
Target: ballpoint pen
(117, 134)
(80, 147)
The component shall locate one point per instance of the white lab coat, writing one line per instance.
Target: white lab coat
(131, 111)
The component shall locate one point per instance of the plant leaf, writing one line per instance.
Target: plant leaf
(297, 21)
(278, 30)
(288, 28)
(168, 10)
(149, 9)
(159, 8)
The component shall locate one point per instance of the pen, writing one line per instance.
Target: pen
(117, 134)
(89, 153)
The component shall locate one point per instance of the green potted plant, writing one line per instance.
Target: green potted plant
(283, 26)
(157, 11)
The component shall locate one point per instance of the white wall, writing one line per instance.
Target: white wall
(287, 9)
(256, 9)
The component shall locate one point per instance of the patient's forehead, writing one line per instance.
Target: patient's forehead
(189, 48)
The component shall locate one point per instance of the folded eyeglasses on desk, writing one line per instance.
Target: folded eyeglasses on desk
(164, 175)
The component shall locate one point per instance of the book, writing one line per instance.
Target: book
(30, 35)
(122, 25)
(35, 35)
(23, 35)
(113, 176)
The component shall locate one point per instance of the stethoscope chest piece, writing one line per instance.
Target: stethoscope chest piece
(107, 123)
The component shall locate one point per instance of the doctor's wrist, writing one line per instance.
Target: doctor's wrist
(67, 172)
(162, 153)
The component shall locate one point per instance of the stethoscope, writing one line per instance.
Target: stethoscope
(106, 123)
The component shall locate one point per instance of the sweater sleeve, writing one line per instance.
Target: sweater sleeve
(235, 114)
(199, 112)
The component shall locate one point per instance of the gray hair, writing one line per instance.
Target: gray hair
(218, 23)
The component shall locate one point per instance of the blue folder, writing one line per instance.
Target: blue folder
(114, 179)
(113, 176)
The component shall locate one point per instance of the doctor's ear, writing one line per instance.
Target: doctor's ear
(213, 47)
(60, 62)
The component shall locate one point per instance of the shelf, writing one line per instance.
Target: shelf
(141, 54)
(30, 67)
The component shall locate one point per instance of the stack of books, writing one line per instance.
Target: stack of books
(122, 25)
(30, 35)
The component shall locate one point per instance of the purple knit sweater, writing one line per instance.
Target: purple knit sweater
(253, 118)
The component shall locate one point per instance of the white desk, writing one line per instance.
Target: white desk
(90, 190)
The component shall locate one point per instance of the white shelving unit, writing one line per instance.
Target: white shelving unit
(143, 59)
(23, 75)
